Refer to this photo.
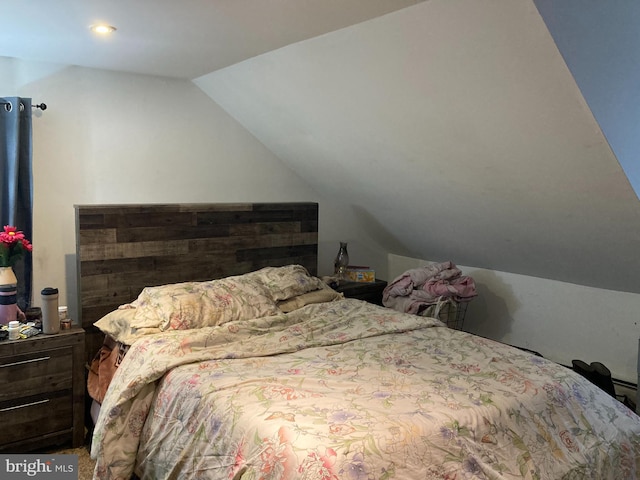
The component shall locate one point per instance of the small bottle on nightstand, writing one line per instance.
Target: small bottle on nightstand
(14, 330)
(65, 321)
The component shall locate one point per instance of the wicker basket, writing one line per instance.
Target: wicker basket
(448, 311)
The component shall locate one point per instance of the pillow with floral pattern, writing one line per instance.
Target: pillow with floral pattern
(287, 282)
(190, 305)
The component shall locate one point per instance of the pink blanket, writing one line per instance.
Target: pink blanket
(416, 289)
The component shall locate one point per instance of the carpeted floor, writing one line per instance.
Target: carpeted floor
(85, 463)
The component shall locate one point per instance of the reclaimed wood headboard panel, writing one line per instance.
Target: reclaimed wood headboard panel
(120, 249)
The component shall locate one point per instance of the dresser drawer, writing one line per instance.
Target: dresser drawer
(34, 373)
(42, 392)
(38, 415)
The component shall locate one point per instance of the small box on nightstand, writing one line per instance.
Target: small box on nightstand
(361, 274)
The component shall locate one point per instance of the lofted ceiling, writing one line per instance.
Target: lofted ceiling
(456, 132)
(172, 38)
(452, 128)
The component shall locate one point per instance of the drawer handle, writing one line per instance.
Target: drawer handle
(39, 359)
(24, 405)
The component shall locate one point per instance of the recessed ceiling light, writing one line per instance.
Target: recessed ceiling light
(102, 28)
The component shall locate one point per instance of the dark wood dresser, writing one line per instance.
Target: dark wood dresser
(42, 385)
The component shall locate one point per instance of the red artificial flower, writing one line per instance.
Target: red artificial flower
(12, 245)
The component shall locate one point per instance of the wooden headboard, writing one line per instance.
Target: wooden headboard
(120, 249)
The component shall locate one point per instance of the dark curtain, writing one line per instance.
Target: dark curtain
(16, 202)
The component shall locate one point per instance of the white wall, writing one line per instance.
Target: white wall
(456, 130)
(560, 320)
(121, 138)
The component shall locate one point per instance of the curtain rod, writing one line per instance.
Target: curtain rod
(41, 106)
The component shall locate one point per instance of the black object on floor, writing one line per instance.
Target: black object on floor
(538, 354)
(597, 374)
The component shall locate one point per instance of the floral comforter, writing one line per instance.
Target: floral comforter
(348, 390)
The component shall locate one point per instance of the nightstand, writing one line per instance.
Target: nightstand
(368, 291)
(42, 391)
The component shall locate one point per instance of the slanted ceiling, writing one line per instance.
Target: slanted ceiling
(454, 130)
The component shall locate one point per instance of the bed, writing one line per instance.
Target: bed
(265, 373)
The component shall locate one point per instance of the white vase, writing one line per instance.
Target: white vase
(8, 295)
